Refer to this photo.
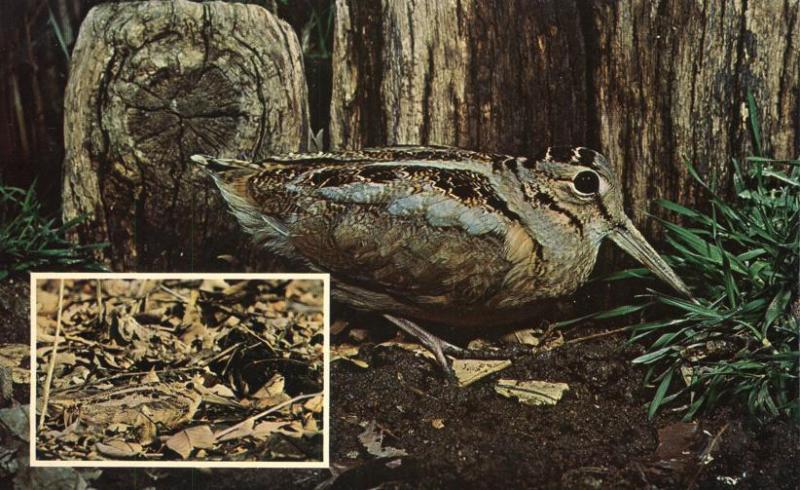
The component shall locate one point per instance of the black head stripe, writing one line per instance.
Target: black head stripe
(561, 153)
(586, 156)
(576, 155)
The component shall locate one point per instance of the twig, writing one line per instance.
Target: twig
(220, 355)
(180, 297)
(51, 367)
(265, 413)
(101, 314)
(598, 335)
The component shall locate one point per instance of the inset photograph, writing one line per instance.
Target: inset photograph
(180, 370)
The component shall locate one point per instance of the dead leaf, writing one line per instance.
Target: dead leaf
(221, 390)
(271, 388)
(437, 423)
(372, 439)
(243, 429)
(358, 335)
(118, 448)
(151, 377)
(11, 356)
(46, 302)
(271, 401)
(265, 429)
(314, 404)
(479, 344)
(338, 326)
(531, 392)
(411, 347)
(535, 337)
(310, 427)
(469, 371)
(525, 336)
(212, 284)
(293, 429)
(347, 352)
(185, 441)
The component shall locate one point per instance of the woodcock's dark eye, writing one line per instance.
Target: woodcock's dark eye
(586, 182)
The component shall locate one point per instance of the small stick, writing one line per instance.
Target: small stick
(49, 379)
(265, 413)
(598, 335)
(101, 314)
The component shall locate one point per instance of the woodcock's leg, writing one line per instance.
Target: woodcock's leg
(440, 348)
(436, 345)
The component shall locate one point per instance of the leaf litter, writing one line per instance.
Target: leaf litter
(157, 369)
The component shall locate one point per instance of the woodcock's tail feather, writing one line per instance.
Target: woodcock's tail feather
(230, 176)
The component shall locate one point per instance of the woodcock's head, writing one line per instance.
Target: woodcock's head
(582, 186)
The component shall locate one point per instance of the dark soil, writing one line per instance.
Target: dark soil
(597, 436)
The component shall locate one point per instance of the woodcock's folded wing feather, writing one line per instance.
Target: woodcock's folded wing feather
(422, 225)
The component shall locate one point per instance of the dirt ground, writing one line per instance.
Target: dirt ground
(597, 436)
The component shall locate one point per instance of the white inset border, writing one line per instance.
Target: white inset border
(325, 278)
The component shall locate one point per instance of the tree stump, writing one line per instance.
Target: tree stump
(153, 83)
(648, 84)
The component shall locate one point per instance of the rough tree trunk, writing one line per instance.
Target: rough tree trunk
(153, 83)
(489, 74)
(647, 83)
(670, 83)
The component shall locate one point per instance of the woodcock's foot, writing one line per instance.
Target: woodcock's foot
(441, 348)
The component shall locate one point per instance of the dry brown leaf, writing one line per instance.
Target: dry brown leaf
(536, 337)
(151, 377)
(479, 344)
(310, 427)
(271, 401)
(525, 336)
(46, 302)
(236, 289)
(185, 441)
(314, 404)
(243, 429)
(11, 356)
(213, 284)
(532, 392)
(274, 386)
(358, 335)
(265, 429)
(338, 326)
(293, 429)
(437, 423)
(469, 371)
(411, 347)
(221, 390)
(372, 439)
(347, 352)
(118, 448)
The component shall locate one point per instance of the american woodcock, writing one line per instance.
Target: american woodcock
(438, 234)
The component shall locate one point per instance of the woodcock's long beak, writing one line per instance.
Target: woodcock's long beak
(630, 240)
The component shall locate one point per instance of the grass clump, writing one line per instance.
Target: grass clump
(30, 241)
(739, 340)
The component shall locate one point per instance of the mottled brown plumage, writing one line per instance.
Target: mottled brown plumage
(436, 233)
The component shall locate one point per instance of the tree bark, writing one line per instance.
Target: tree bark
(670, 83)
(490, 74)
(647, 83)
(153, 83)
